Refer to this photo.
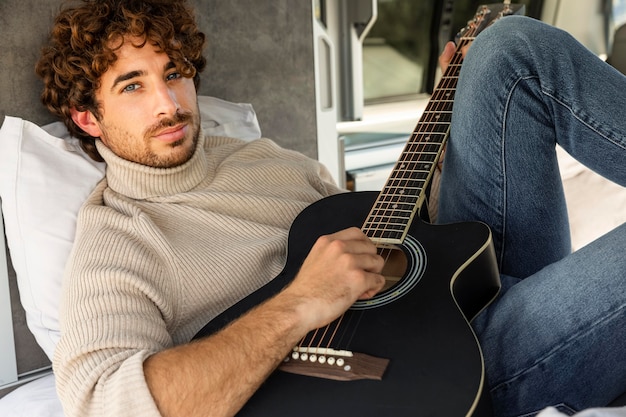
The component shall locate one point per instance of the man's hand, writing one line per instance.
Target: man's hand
(217, 375)
(448, 53)
(341, 268)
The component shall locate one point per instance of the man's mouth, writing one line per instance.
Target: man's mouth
(172, 134)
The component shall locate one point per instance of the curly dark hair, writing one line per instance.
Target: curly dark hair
(83, 42)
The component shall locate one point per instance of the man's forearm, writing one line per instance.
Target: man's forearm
(215, 376)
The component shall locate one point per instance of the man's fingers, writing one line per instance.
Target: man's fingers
(377, 283)
(446, 55)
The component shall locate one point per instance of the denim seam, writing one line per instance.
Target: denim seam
(507, 102)
(581, 120)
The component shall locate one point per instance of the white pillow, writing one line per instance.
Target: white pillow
(44, 178)
(37, 398)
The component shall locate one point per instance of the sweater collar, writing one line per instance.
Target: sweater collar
(140, 182)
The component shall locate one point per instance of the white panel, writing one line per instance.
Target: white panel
(8, 366)
(328, 146)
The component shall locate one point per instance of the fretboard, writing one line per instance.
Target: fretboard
(405, 190)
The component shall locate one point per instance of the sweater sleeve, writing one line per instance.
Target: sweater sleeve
(113, 318)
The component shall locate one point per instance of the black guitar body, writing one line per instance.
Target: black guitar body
(435, 363)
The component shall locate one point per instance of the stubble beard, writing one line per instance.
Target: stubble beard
(140, 151)
(173, 158)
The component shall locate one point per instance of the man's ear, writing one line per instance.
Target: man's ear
(86, 121)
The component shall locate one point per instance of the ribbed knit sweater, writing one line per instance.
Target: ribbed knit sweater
(160, 252)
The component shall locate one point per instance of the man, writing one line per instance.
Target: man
(183, 226)
(180, 228)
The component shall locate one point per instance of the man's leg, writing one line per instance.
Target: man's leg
(559, 336)
(523, 88)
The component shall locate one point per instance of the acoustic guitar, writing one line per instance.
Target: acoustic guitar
(409, 350)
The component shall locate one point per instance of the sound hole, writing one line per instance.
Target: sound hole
(395, 266)
(404, 268)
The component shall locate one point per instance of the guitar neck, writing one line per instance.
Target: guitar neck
(405, 190)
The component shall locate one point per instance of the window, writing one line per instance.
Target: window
(396, 52)
(619, 12)
(401, 49)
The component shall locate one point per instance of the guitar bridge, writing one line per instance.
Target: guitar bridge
(339, 365)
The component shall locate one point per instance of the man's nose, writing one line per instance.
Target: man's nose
(165, 100)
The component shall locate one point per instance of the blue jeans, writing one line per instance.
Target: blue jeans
(557, 332)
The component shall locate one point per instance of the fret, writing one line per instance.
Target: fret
(396, 203)
(429, 133)
(443, 95)
(435, 127)
(407, 181)
(394, 207)
(438, 107)
(426, 148)
(392, 221)
(439, 114)
(429, 120)
(398, 214)
(399, 204)
(389, 202)
(410, 165)
(443, 102)
(386, 236)
(422, 145)
(427, 136)
(384, 230)
(449, 78)
(444, 91)
(454, 70)
(442, 108)
(419, 152)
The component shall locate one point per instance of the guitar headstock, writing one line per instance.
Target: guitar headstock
(486, 15)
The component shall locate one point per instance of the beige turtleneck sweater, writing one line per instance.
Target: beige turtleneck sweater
(160, 252)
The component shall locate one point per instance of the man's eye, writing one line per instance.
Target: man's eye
(130, 88)
(173, 76)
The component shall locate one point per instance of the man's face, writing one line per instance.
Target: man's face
(149, 111)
